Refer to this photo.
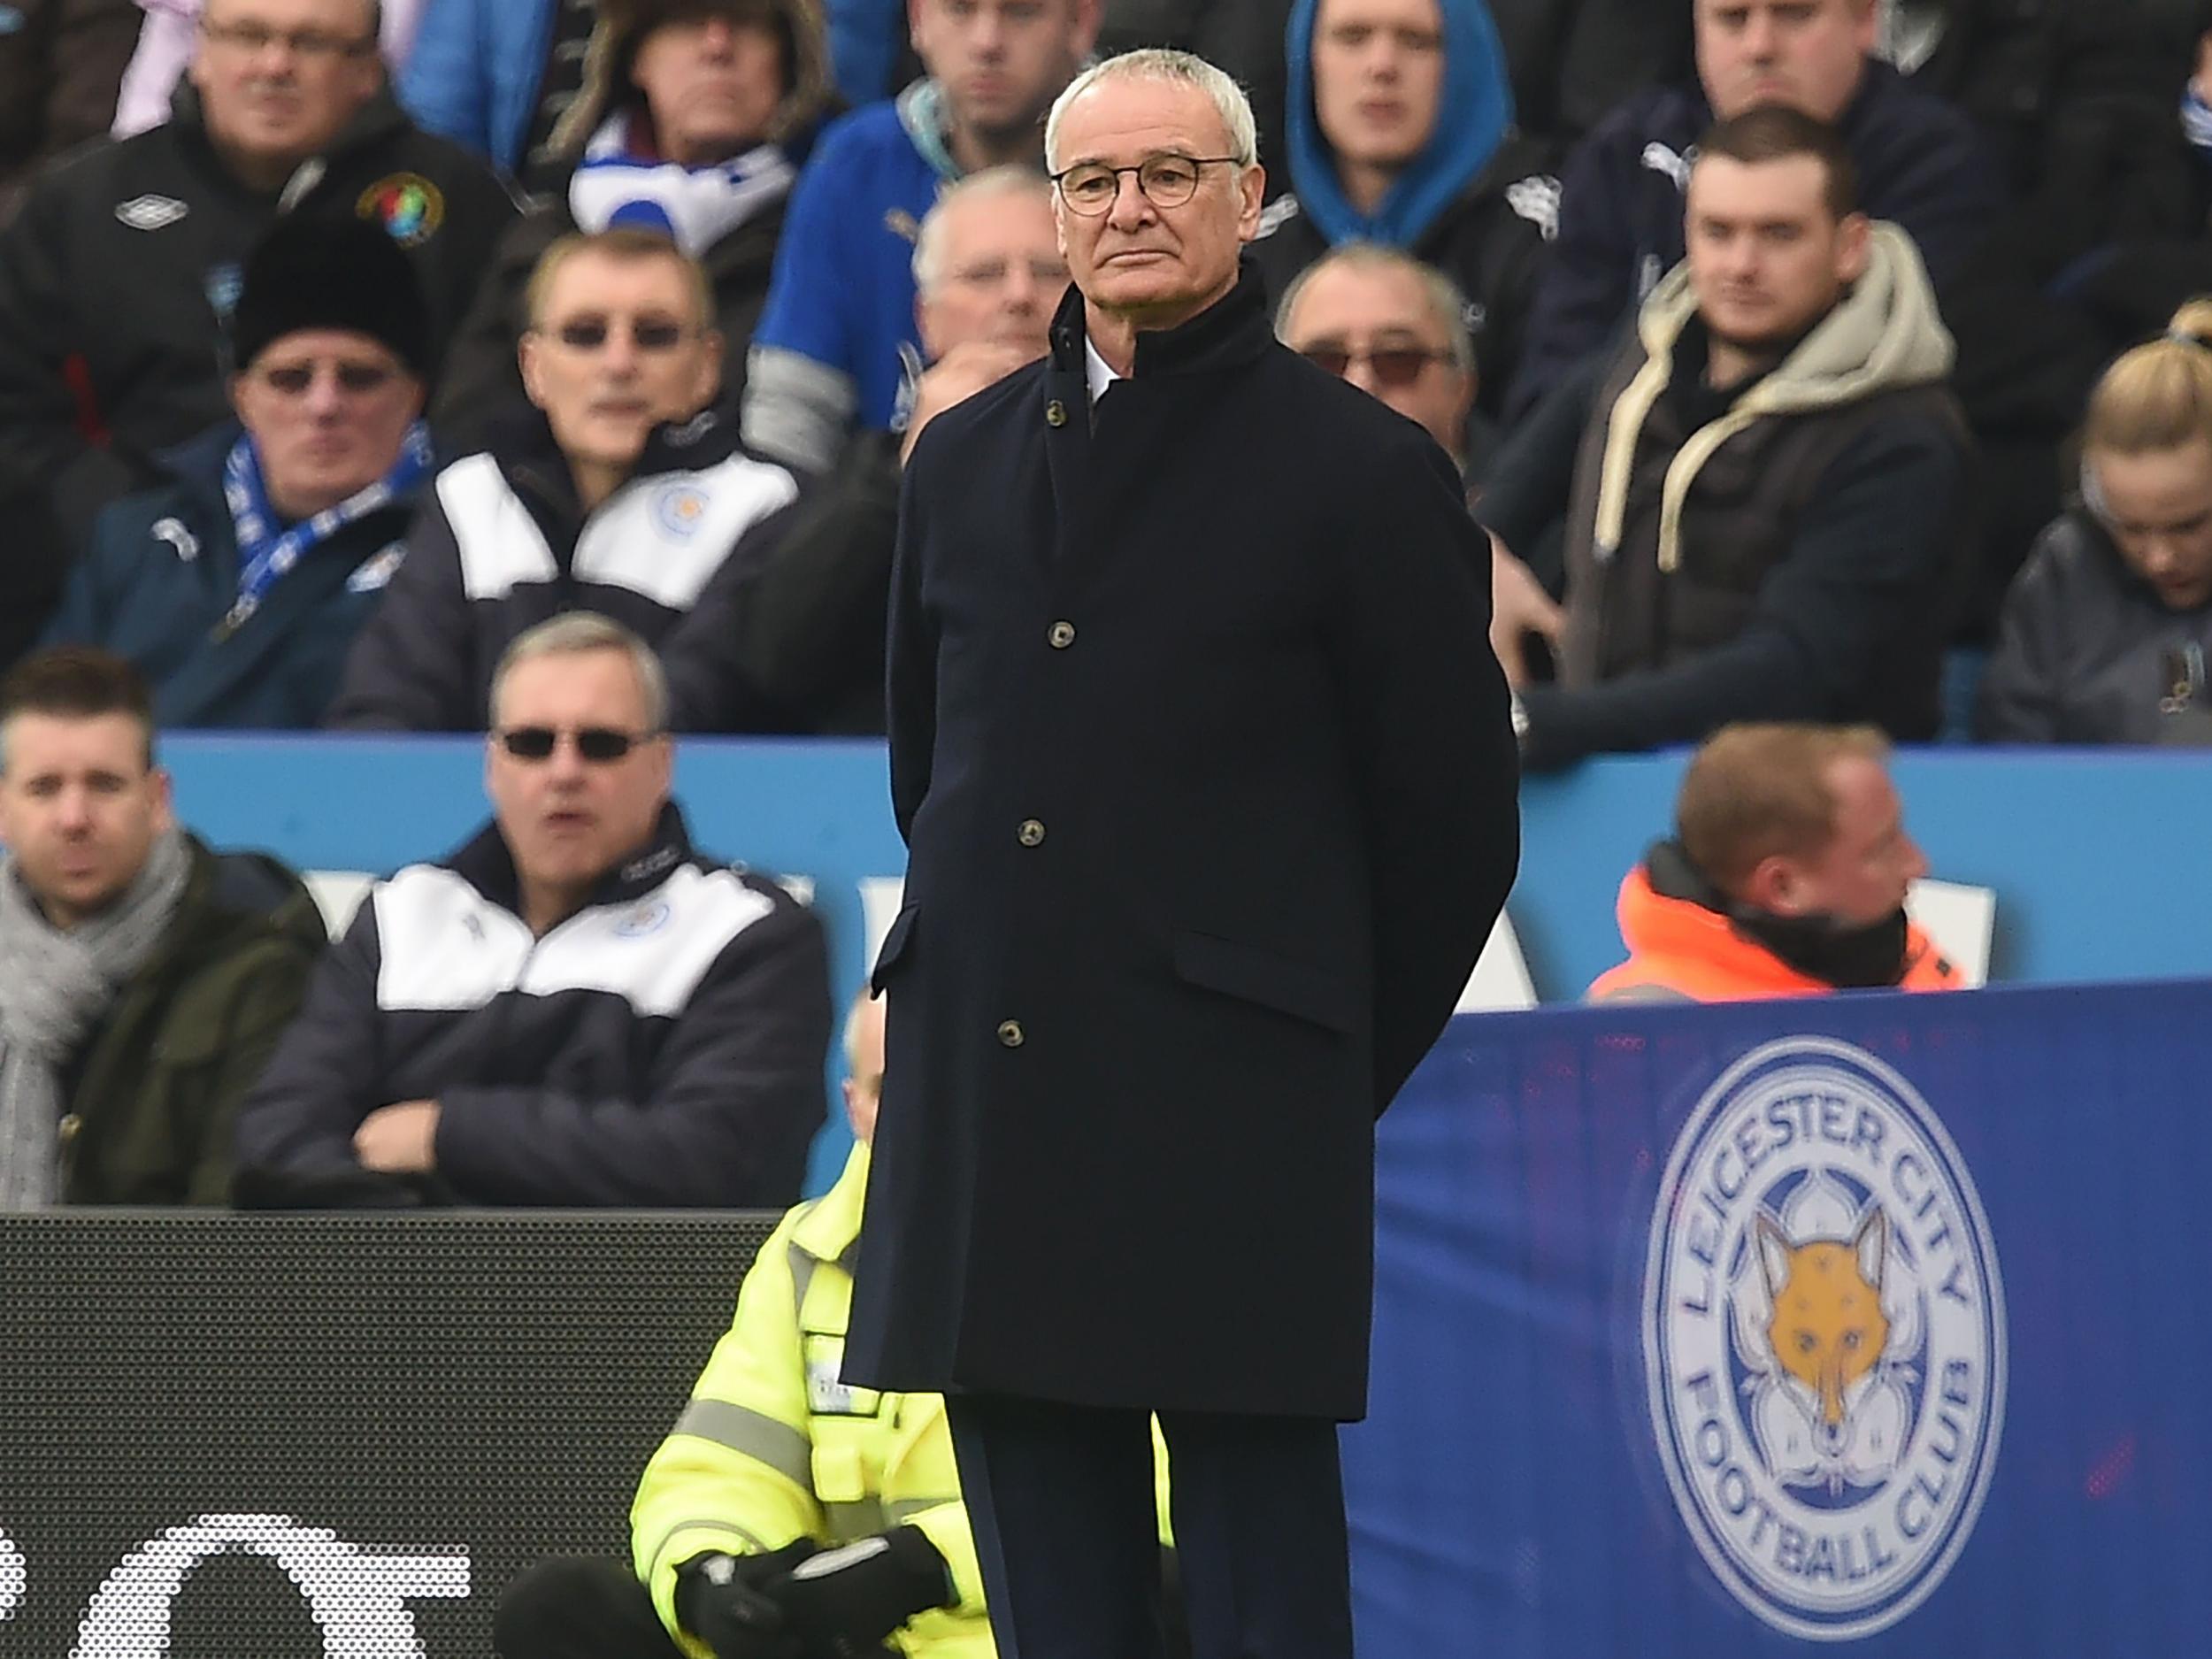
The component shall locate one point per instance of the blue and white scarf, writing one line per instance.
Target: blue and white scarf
(266, 554)
(698, 206)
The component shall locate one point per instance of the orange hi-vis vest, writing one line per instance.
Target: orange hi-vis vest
(1678, 950)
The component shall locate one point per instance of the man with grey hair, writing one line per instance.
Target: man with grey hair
(1181, 625)
(575, 1007)
(1394, 327)
(801, 630)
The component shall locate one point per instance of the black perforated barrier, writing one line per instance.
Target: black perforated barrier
(331, 1437)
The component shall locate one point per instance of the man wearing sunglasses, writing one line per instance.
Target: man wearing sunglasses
(1394, 327)
(1209, 793)
(123, 266)
(576, 1007)
(623, 493)
(237, 587)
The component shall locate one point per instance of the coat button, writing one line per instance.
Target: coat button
(1010, 1034)
(1061, 634)
(1055, 413)
(66, 1129)
(1032, 833)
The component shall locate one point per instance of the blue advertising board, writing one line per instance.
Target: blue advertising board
(1876, 1322)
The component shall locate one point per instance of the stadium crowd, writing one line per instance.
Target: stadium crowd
(665, 320)
(547, 369)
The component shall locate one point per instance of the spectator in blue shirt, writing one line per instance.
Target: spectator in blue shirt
(836, 347)
(478, 72)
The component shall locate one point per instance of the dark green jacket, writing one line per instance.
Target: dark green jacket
(154, 1093)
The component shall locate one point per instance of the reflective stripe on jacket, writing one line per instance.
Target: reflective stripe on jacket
(774, 1446)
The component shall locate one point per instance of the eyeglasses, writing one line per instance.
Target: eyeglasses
(602, 745)
(1090, 187)
(295, 379)
(258, 37)
(1393, 365)
(647, 333)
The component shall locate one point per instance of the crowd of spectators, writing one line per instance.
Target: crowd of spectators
(1830, 361)
(705, 442)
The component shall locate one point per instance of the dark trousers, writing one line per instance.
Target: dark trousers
(1061, 1501)
(583, 1609)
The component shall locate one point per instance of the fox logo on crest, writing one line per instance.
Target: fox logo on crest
(1825, 1405)
(1828, 1328)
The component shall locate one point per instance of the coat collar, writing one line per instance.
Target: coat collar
(829, 1225)
(1228, 334)
(486, 864)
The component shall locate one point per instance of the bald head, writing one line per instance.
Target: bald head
(863, 1065)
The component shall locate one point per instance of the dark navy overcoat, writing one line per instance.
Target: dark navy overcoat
(1208, 783)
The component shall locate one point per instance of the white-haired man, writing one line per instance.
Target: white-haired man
(1179, 625)
(576, 1007)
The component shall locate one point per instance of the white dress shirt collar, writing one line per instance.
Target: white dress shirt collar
(1097, 372)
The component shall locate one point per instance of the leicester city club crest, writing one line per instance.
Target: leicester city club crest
(1823, 1340)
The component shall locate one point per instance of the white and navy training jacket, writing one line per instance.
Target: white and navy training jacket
(664, 1047)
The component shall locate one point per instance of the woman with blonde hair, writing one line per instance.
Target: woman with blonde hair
(2104, 634)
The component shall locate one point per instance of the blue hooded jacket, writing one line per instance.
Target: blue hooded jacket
(1474, 112)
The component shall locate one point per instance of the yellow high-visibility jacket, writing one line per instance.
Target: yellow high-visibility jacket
(773, 1447)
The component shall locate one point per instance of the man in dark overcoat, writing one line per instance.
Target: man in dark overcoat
(1208, 782)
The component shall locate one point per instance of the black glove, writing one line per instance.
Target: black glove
(720, 1600)
(843, 1602)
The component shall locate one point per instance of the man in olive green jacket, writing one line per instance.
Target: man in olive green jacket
(143, 979)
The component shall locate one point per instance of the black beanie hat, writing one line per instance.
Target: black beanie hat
(320, 270)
